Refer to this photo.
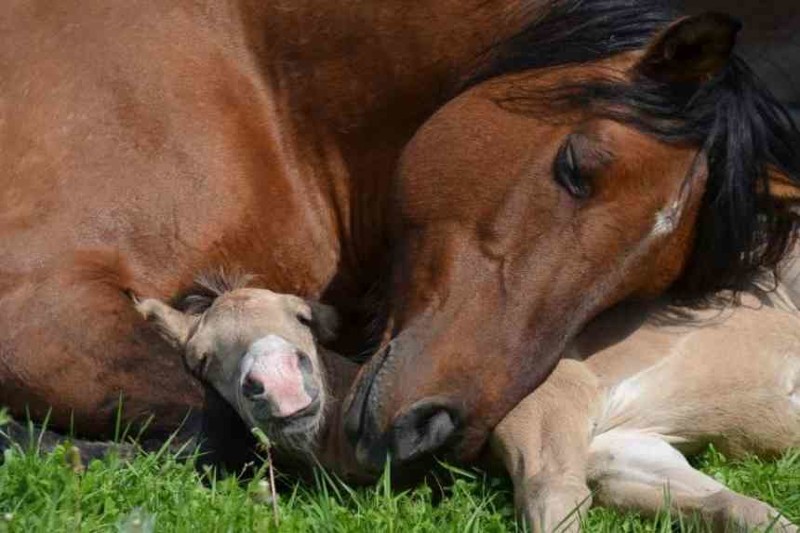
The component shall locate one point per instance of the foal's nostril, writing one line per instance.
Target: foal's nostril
(426, 427)
(304, 363)
(252, 388)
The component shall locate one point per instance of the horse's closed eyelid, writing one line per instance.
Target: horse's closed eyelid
(201, 366)
(568, 173)
(305, 319)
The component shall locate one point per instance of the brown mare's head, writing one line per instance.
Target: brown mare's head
(258, 349)
(598, 156)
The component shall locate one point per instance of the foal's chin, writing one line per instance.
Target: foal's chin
(297, 434)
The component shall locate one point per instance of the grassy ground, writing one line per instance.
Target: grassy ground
(155, 492)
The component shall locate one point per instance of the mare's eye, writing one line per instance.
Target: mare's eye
(568, 173)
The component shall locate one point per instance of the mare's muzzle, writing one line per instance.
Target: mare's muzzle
(427, 426)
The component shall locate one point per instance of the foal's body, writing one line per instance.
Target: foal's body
(618, 418)
(616, 414)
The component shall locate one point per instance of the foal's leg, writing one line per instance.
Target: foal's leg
(544, 444)
(639, 471)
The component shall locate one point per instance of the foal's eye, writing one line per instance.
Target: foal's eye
(202, 365)
(568, 173)
(304, 319)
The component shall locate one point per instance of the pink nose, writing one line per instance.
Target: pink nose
(279, 378)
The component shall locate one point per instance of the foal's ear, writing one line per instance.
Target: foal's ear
(690, 50)
(173, 325)
(324, 321)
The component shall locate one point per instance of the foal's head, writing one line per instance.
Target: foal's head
(258, 349)
(547, 192)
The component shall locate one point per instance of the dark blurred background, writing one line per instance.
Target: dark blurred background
(770, 40)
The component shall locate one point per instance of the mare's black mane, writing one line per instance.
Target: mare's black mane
(742, 128)
(574, 31)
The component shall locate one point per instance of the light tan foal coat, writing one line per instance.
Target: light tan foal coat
(611, 424)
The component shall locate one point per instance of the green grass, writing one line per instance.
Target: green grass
(46, 492)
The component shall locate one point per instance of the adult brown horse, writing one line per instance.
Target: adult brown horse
(550, 190)
(145, 142)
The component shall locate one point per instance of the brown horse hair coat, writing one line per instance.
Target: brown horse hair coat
(147, 141)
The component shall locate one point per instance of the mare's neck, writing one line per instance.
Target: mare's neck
(359, 68)
(354, 80)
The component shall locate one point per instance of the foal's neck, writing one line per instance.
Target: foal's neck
(334, 450)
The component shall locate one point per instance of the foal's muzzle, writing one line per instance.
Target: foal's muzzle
(280, 376)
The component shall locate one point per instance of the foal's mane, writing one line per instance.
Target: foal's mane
(744, 131)
(209, 286)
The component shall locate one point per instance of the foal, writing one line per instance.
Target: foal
(615, 417)
(262, 352)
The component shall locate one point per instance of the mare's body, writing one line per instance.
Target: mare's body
(145, 141)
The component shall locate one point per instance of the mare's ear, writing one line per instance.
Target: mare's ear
(324, 321)
(173, 325)
(783, 189)
(690, 50)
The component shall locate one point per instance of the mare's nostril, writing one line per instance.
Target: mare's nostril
(252, 388)
(424, 428)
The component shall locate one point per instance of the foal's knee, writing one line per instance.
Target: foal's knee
(553, 505)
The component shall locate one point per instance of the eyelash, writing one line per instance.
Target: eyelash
(567, 172)
(304, 320)
(202, 368)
